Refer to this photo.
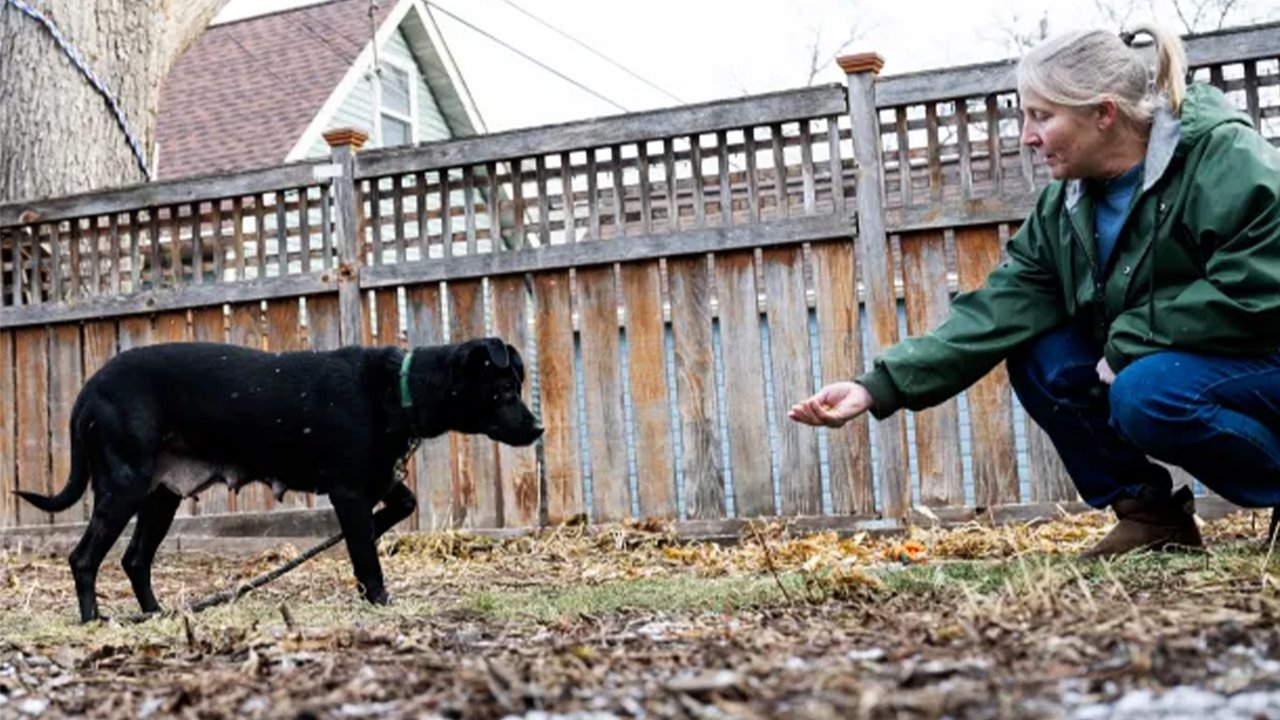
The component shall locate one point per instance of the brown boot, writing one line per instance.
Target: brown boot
(1150, 524)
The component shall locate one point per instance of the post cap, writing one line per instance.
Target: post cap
(346, 136)
(861, 62)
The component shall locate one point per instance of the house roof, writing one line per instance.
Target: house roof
(244, 92)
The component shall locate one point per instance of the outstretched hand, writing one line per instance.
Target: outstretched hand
(833, 405)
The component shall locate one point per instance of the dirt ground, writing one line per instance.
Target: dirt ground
(973, 622)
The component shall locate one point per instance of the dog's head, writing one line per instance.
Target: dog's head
(486, 378)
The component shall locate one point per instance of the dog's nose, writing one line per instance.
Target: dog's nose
(537, 431)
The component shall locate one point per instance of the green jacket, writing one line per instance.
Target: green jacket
(1196, 265)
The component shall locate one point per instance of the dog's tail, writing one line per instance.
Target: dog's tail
(76, 484)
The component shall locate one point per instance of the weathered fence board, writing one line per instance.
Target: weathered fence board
(995, 465)
(924, 270)
(839, 342)
(385, 327)
(475, 479)
(323, 324)
(602, 385)
(246, 328)
(744, 383)
(31, 367)
(1049, 479)
(172, 192)
(284, 334)
(432, 472)
(790, 364)
(695, 369)
(517, 467)
(65, 379)
(209, 324)
(647, 382)
(558, 398)
(100, 342)
(8, 431)
(640, 247)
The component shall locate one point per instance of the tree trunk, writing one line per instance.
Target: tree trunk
(58, 136)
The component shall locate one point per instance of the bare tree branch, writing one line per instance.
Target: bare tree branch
(1017, 38)
(1226, 7)
(820, 60)
(815, 66)
(1115, 13)
(1223, 13)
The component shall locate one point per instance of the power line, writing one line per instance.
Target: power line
(325, 41)
(264, 66)
(593, 51)
(529, 57)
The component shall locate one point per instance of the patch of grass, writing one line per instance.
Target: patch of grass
(1229, 563)
(980, 576)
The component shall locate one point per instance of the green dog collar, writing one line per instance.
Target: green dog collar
(406, 401)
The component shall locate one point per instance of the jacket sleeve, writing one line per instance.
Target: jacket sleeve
(1021, 298)
(1235, 307)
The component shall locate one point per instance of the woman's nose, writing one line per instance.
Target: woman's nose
(1029, 136)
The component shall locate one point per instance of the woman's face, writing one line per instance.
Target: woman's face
(1069, 140)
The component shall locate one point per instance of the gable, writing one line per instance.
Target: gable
(359, 106)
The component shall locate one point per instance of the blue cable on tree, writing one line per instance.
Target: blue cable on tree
(78, 60)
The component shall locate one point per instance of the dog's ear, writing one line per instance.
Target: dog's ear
(497, 352)
(490, 351)
(516, 361)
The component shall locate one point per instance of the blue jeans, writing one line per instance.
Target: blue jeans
(1214, 416)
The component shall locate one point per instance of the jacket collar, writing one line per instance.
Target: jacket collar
(1166, 129)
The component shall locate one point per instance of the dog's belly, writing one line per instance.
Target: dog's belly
(187, 476)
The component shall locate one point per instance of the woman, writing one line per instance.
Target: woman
(1139, 307)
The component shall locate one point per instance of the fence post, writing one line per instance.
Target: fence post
(873, 255)
(343, 145)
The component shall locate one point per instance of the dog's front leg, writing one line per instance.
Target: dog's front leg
(355, 517)
(398, 504)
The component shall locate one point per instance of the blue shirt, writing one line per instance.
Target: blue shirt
(1111, 207)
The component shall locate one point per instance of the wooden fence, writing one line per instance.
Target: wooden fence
(675, 278)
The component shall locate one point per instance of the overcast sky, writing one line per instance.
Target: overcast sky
(698, 50)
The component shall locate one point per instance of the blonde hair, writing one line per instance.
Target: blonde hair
(1084, 68)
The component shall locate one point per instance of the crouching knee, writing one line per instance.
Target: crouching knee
(1148, 409)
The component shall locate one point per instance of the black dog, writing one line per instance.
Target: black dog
(160, 423)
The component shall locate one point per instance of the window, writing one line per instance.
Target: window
(395, 90)
(395, 131)
(396, 106)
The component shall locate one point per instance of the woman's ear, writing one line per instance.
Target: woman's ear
(1107, 113)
